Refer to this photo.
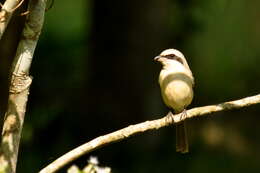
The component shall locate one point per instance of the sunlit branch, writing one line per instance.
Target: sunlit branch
(143, 127)
(19, 86)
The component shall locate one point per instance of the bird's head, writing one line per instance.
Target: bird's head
(171, 57)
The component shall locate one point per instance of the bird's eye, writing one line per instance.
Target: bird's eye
(170, 56)
(174, 57)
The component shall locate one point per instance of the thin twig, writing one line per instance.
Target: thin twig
(142, 127)
(17, 6)
(19, 86)
(50, 6)
(6, 13)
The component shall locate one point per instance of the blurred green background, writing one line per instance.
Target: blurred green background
(94, 73)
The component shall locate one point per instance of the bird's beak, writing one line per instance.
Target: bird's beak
(157, 58)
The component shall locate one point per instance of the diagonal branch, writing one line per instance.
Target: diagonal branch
(142, 127)
(6, 13)
(19, 87)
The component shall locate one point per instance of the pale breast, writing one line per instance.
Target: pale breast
(176, 89)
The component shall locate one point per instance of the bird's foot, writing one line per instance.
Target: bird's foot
(183, 115)
(169, 118)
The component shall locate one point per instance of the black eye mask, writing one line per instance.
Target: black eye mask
(174, 57)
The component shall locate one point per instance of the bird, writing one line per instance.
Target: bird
(176, 82)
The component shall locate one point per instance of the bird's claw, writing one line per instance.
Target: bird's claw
(183, 115)
(169, 118)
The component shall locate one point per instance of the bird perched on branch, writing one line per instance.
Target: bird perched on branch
(176, 82)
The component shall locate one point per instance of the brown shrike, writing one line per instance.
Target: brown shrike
(176, 82)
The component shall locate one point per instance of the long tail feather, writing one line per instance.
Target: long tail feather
(182, 144)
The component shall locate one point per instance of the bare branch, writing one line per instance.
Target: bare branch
(142, 127)
(6, 13)
(19, 87)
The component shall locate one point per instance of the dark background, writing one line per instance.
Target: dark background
(94, 73)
